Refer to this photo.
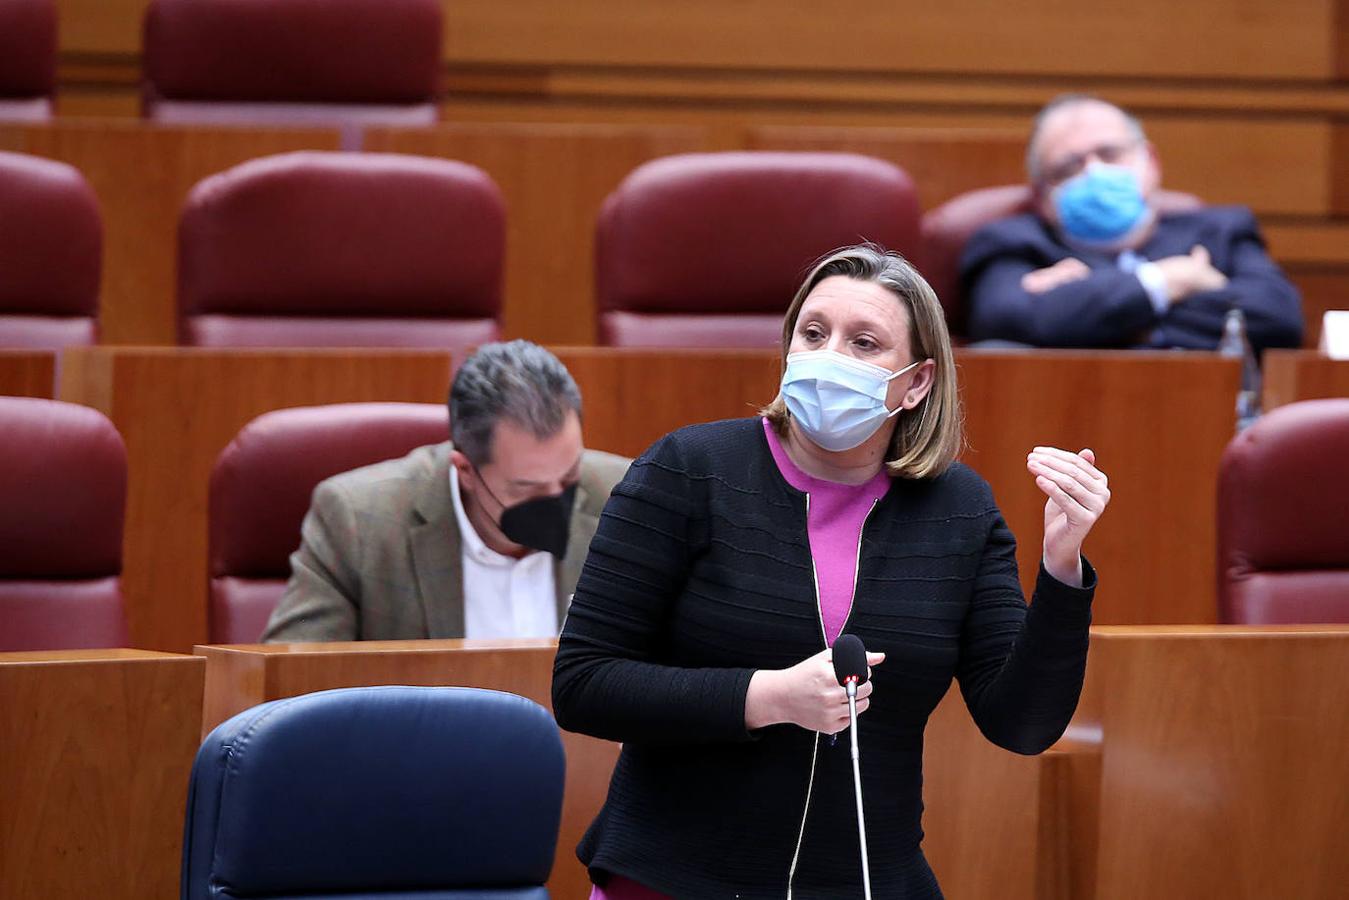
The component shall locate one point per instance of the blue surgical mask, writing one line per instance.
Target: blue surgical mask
(837, 401)
(1100, 206)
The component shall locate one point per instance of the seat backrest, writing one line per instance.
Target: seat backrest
(261, 487)
(707, 249)
(357, 61)
(1283, 540)
(949, 227)
(342, 249)
(27, 60)
(51, 252)
(437, 793)
(62, 499)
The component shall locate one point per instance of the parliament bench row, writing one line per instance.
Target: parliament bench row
(383, 250)
(551, 283)
(1158, 422)
(1202, 762)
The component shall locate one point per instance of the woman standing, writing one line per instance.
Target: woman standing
(733, 555)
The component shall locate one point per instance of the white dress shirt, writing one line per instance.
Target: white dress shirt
(1149, 274)
(503, 597)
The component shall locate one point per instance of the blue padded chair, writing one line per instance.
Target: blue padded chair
(395, 793)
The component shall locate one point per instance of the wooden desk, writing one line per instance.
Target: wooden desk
(1157, 421)
(1000, 826)
(177, 409)
(241, 676)
(27, 373)
(1224, 772)
(1293, 375)
(1203, 761)
(95, 751)
(1177, 725)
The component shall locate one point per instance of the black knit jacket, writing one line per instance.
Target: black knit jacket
(699, 574)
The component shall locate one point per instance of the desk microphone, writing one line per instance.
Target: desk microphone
(850, 667)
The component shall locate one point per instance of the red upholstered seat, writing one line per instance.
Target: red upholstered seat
(339, 62)
(51, 250)
(706, 249)
(261, 488)
(1283, 540)
(947, 228)
(62, 498)
(342, 249)
(27, 60)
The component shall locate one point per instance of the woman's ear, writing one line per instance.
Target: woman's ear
(924, 377)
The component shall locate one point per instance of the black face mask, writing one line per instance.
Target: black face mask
(543, 523)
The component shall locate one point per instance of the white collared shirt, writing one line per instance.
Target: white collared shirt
(503, 597)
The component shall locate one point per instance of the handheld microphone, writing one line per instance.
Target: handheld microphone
(850, 668)
(850, 662)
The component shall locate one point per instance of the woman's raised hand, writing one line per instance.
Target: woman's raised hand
(807, 694)
(1078, 493)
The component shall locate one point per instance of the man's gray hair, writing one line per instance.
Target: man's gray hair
(1064, 101)
(517, 380)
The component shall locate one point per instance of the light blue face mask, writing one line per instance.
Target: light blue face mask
(837, 401)
(1101, 205)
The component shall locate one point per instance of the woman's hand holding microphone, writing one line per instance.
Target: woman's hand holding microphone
(807, 694)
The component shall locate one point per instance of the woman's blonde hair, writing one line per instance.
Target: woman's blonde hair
(927, 438)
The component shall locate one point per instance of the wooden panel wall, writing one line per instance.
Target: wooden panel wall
(1323, 288)
(1252, 169)
(1241, 39)
(943, 163)
(1293, 375)
(634, 397)
(108, 27)
(27, 373)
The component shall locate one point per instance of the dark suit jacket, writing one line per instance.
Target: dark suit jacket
(1110, 308)
(380, 555)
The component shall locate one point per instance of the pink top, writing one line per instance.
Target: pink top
(834, 518)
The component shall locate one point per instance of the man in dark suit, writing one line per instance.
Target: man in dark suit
(1096, 264)
(481, 536)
